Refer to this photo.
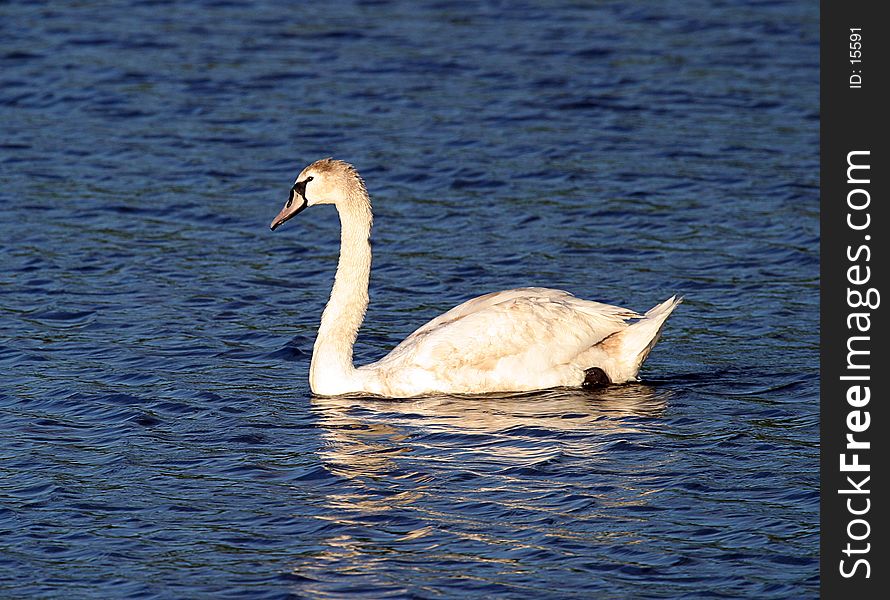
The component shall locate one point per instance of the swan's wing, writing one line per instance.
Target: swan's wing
(488, 300)
(525, 326)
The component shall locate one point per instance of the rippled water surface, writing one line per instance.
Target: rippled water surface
(157, 435)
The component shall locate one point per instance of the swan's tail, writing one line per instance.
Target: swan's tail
(627, 349)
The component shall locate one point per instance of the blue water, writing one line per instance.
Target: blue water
(157, 435)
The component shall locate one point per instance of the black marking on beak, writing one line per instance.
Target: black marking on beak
(291, 215)
(299, 189)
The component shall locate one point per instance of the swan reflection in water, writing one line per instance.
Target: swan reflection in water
(430, 475)
(364, 434)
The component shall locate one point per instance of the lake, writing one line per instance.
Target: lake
(158, 438)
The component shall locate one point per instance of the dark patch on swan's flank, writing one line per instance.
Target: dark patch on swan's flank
(595, 377)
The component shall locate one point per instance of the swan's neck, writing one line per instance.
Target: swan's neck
(331, 371)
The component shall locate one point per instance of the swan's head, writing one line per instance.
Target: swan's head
(326, 181)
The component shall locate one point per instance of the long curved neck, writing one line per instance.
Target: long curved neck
(331, 371)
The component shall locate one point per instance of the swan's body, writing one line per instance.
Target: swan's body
(521, 339)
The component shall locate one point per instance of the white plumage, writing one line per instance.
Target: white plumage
(521, 339)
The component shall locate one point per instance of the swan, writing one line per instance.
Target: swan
(516, 340)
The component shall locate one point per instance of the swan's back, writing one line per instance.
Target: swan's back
(526, 338)
(539, 295)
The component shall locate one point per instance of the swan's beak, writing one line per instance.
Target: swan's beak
(294, 206)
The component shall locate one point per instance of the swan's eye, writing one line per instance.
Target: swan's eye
(308, 179)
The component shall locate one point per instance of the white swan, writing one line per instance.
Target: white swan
(522, 339)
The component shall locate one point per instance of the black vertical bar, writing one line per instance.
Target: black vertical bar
(855, 220)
